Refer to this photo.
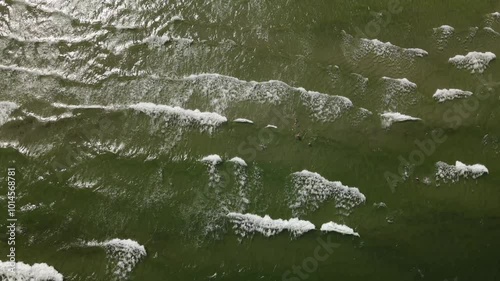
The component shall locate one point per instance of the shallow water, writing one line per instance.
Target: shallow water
(98, 117)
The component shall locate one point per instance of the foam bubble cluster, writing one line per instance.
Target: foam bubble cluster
(473, 61)
(310, 189)
(245, 224)
(26, 272)
(124, 253)
(453, 173)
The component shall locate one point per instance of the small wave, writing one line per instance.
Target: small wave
(124, 253)
(243, 120)
(53, 118)
(473, 61)
(442, 35)
(321, 106)
(340, 228)
(442, 95)
(63, 39)
(238, 161)
(36, 272)
(388, 118)
(247, 224)
(6, 108)
(183, 117)
(400, 92)
(187, 116)
(453, 173)
(310, 189)
(492, 31)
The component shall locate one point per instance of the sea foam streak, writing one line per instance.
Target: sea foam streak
(310, 189)
(245, 224)
(388, 118)
(124, 253)
(473, 61)
(185, 115)
(35, 272)
(340, 228)
(182, 116)
(452, 173)
(243, 120)
(442, 95)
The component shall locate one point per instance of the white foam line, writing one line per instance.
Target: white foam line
(388, 118)
(246, 224)
(243, 120)
(339, 228)
(206, 118)
(403, 81)
(39, 72)
(381, 47)
(55, 40)
(50, 118)
(442, 95)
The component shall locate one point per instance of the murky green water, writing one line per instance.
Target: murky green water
(96, 115)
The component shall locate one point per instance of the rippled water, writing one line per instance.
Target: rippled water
(152, 138)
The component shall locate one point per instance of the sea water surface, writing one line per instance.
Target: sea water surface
(251, 140)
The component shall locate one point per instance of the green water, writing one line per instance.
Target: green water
(97, 174)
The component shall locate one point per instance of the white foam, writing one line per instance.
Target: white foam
(185, 115)
(495, 14)
(182, 116)
(491, 30)
(442, 95)
(239, 161)
(6, 108)
(473, 61)
(310, 189)
(225, 90)
(124, 253)
(404, 82)
(445, 29)
(213, 159)
(400, 93)
(243, 120)
(63, 39)
(245, 224)
(271, 126)
(325, 107)
(452, 173)
(387, 48)
(388, 118)
(35, 272)
(86, 106)
(340, 228)
(29, 207)
(53, 118)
